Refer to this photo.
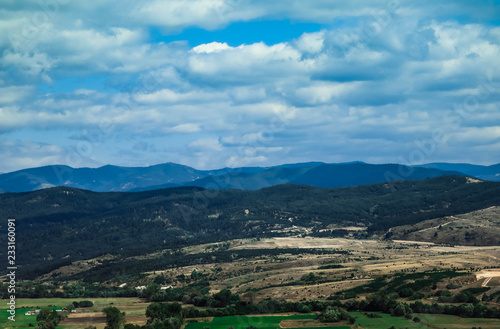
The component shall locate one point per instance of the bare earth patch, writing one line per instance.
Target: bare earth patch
(97, 318)
(84, 318)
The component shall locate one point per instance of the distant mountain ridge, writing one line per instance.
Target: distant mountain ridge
(131, 179)
(491, 173)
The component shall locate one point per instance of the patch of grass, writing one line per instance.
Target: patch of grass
(21, 319)
(330, 266)
(99, 303)
(452, 321)
(339, 327)
(131, 306)
(80, 326)
(385, 321)
(260, 322)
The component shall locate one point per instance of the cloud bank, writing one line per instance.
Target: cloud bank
(86, 84)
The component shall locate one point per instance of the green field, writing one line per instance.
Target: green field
(261, 322)
(451, 321)
(386, 321)
(437, 321)
(21, 319)
(132, 306)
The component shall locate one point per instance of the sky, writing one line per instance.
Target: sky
(232, 83)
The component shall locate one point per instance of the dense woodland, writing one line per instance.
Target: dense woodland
(60, 225)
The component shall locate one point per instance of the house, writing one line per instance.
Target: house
(29, 313)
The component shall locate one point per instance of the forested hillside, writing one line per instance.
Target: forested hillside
(63, 224)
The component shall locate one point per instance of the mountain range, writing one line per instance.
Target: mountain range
(132, 179)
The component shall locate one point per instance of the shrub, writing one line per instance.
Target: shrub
(334, 314)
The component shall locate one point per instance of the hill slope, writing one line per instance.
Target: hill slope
(478, 227)
(65, 224)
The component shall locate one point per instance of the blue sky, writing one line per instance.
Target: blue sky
(216, 83)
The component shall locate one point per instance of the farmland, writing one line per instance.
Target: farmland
(264, 322)
(21, 319)
(135, 309)
(298, 270)
(359, 261)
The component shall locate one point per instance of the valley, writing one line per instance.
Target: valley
(416, 254)
(349, 265)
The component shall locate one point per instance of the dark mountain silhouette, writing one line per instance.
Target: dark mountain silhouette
(133, 179)
(482, 172)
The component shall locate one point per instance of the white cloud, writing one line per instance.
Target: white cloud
(166, 96)
(245, 161)
(310, 42)
(213, 47)
(206, 144)
(15, 155)
(324, 90)
(13, 94)
(177, 13)
(35, 64)
(246, 60)
(184, 128)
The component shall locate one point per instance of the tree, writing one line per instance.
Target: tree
(163, 311)
(160, 279)
(400, 309)
(41, 291)
(47, 319)
(114, 318)
(44, 314)
(169, 323)
(132, 326)
(85, 303)
(333, 314)
(195, 275)
(152, 289)
(304, 308)
(464, 296)
(309, 277)
(406, 292)
(224, 297)
(466, 310)
(45, 325)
